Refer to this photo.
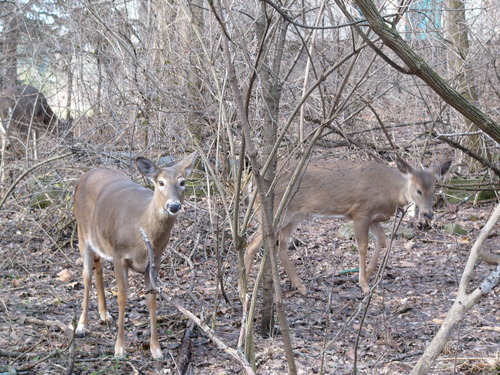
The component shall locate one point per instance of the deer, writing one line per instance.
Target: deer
(25, 110)
(24, 114)
(110, 209)
(366, 193)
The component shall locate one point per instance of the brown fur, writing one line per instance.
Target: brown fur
(109, 210)
(366, 193)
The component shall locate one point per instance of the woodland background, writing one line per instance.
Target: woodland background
(248, 83)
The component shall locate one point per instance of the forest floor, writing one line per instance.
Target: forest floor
(41, 292)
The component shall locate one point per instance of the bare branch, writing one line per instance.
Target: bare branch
(417, 66)
(208, 331)
(464, 301)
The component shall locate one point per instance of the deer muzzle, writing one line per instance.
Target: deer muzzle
(173, 207)
(429, 215)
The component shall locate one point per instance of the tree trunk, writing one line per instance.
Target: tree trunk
(191, 30)
(461, 72)
(417, 66)
(12, 34)
(271, 100)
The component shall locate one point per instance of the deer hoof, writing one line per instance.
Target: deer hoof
(156, 353)
(80, 331)
(366, 288)
(106, 319)
(302, 290)
(119, 352)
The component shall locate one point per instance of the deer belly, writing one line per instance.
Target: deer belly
(139, 265)
(98, 252)
(321, 216)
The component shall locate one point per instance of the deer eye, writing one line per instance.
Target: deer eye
(419, 192)
(161, 183)
(182, 182)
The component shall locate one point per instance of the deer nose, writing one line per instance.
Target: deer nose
(428, 215)
(173, 207)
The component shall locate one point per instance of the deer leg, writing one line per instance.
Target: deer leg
(361, 230)
(378, 230)
(121, 274)
(283, 238)
(101, 297)
(154, 343)
(88, 259)
(252, 248)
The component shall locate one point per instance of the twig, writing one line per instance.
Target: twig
(464, 301)
(151, 265)
(134, 369)
(52, 354)
(29, 170)
(468, 152)
(14, 354)
(191, 267)
(54, 324)
(184, 356)
(457, 206)
(209, 332)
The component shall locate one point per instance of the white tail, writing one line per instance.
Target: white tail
(109, 210)
(366, 193)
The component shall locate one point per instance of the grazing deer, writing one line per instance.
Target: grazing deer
(25, 110)
(24, 114)
(366, 193)
(109, 210)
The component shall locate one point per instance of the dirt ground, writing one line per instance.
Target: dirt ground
(41, 292)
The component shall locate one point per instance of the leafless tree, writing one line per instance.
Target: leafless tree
(250, 85)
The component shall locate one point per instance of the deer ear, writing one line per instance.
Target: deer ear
(186, 165)
(440, 170)
(147, 168)
(404, 168)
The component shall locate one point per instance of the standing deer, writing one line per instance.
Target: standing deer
(366, 193)
(109, 210)
(24, 114)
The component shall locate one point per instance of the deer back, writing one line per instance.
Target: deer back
(344, 189)
(28, 110)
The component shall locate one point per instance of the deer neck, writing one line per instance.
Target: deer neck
(157, 224)
(405, 195)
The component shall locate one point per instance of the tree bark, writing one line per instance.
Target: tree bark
(12, 35)
(417, 66)
(271, 92)
(460, 71)
(192, 28)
